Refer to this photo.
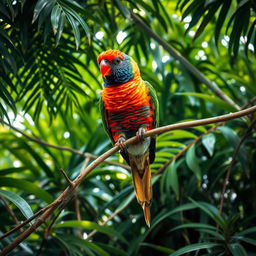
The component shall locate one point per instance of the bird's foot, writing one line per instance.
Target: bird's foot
(120, 144)
(140, 134)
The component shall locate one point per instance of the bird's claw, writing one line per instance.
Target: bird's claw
(140, 134)
(120, 144)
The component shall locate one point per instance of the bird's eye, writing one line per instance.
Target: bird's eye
(117, 61)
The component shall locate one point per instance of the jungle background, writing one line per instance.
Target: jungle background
(50, 85)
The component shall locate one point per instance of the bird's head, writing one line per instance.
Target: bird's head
(116, 67)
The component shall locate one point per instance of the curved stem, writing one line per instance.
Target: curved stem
(68, 192)
(226, 181)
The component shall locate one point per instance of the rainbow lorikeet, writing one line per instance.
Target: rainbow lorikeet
(129, 107)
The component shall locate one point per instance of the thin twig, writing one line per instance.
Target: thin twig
(91, 234)
(10, 211)
(225, 184)
(66, 177)
(249, 103)
(183, 61)
(70, 190)
(41, 211)
(159, 171)
(72, 150)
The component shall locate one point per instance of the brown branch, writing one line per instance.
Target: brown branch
(72, 150)
(66, 177)
(204, 121)
(160, 170)
(41, 211)
(225, 184)
(183, 61)
(249, 103)
(70, 189)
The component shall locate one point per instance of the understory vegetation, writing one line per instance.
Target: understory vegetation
(200, 58)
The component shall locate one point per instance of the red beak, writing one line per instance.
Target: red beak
(105, 68)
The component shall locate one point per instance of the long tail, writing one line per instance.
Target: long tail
(142, 182)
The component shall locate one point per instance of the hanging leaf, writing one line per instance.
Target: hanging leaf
(18, 201)
(193, 164)
(172, 178)
(195, 247)
(91, 225)
(209, 142)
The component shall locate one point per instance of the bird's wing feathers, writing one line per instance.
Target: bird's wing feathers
(104, 116)
(153, 96)
(152, 146)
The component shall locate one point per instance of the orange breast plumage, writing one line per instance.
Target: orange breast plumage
(128, 106)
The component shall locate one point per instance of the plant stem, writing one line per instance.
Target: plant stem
(225, 184)
(74, 151)
(69, 191)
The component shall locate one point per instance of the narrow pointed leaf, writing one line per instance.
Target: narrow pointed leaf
(18, 201)
(194, 247)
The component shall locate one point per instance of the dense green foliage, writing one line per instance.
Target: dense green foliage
(49, 88)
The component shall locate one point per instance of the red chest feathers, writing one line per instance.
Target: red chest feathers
(128, 107)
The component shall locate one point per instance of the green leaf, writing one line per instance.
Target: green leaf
(38, 8)
(112, 249)
(192, 163)
(207, 18)
(166, 143)
(75, 28)
(210, 98)
(60, 27)
(195, 247)
(96, 248)
(18, 201)
(237, 250)
(246, 240)
(209, 142)
(123, 9)
(160, 217)
(194, 225)
(172, 178)
(79, 20)
(176, 134)
(55, 18)
(215, 235)
(247, 231)
(233, 139)
(91, 225)
(221, 18)
(158, 247)
(26, 186)
(10, 170)
(126, 201)
(211, 211)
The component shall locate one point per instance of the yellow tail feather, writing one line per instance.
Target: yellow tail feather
(142, 182)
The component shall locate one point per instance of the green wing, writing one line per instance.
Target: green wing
(153, 96)
(104, 117)
(104, 113)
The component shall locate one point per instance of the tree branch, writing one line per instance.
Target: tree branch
(74, 151)
(68, 192)
(183, 61)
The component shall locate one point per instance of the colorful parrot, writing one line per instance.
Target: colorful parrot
(129, 107)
